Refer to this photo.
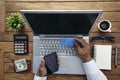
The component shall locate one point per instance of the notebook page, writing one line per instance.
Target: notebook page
(102, 56)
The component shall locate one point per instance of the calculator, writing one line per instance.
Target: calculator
(20, 44)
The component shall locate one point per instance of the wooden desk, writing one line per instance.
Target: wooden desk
(111, 11)
(7, 56)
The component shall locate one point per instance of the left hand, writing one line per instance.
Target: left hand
(42, 71)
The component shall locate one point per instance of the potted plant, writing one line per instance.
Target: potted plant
(14, 22)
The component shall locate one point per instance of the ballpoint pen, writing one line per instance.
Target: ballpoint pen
(116, 49)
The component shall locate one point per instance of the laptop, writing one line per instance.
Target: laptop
(50, 26)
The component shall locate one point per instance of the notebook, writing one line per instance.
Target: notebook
(102, 56)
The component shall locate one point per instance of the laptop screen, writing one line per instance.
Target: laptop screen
(61, 22)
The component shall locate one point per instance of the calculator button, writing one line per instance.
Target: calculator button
(16, 44)
(25, 51)
(22, 51)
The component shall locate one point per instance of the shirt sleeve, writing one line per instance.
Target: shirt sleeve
(39, 78)
(92, 72)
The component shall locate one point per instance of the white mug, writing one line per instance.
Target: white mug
(105, 26)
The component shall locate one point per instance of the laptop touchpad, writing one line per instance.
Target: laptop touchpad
(70, 64)
(63, 66)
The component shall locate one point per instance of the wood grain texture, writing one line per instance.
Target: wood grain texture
(113, 77)
(105, 6)
(112, 16)
(66, 77)
(111, 11)
(78, 77)
(114, 71)
(18, 76)
(65, 0)
(10, 57)
(1, 61)
(8, 36)
(1, 35)
(2, 16)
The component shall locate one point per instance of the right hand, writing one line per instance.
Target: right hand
(83, 49)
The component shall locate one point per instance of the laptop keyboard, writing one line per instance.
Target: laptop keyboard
(50, 45)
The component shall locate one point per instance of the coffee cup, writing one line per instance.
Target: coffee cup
(105, 26)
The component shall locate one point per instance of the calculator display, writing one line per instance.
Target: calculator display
(20, 37)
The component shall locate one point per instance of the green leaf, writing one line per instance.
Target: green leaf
(14, 21)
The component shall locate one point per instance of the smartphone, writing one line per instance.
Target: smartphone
(51, 62)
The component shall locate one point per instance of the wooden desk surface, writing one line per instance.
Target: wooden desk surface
(111, 11)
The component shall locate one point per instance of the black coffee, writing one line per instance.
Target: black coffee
(104, 25)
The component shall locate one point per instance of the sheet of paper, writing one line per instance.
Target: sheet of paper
(102, 56)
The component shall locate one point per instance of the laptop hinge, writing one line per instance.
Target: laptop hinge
(59, 36)
(41, 36)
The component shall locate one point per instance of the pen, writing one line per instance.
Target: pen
(116, 49)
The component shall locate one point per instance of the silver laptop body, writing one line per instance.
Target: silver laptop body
(50, 26)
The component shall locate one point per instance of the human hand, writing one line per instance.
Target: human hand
(42, 71)
(83, 49)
